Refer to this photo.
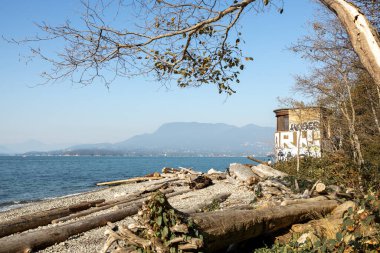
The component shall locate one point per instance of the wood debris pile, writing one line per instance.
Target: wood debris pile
(279, 202)
(159, 228)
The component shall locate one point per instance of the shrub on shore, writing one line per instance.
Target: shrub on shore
(334, 168)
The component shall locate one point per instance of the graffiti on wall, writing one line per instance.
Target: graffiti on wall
(310, 125)
(304, 136)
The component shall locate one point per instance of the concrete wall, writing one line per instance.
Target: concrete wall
(304, 134)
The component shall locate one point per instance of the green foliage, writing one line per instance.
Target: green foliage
(360, 232)
(166, 224)
(334, 168)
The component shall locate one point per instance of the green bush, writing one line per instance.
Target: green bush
(333, 168)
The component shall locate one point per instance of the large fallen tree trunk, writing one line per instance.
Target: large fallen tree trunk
(219, 228)
(266, 171)
(42, 218)
(243, 173)
(39, 239)
(222, 228)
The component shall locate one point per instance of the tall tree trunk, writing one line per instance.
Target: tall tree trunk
(352, 120)
(363, 36)
(298, 150)
(373, 109)
(354, 139)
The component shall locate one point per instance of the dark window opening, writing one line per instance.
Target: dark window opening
(283, 123)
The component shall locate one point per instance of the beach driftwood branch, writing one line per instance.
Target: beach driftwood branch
(129, 180)
(39, 239)
(56, 215)
(121, 203)
(42, 218)
(256, 160)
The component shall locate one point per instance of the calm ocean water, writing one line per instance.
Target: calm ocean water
(27, 179)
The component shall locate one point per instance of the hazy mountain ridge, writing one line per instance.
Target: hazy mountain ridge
(180, 138)
(29, 145)
(201, 137)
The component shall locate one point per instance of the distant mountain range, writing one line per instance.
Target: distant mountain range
(184, 138)
(30, 145)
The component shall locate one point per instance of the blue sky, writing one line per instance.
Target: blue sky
(65, 113)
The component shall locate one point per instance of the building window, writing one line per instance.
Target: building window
(283, 123)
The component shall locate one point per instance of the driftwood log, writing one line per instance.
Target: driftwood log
(129, 200)
(302, 201)
(256, 160)
(128, 181)
(243, 173)
(325, 227)
(264, 171)
(42, 218)
(39, 239)
(320, 188)
(220, 229)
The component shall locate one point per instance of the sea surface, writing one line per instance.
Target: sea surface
(29, 179)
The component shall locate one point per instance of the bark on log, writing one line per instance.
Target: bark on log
(325, 227)
(256, 160)
(42, 218)
(267, 171)
(220, 229)
(302, 201)
(39, 239)
(243, 173)
(129, 180)
(157, 186)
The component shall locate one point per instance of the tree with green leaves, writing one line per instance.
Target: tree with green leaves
(193, 42)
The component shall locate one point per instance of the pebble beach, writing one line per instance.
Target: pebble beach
(93, 240)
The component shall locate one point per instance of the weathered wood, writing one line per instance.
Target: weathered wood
(39, 239)
(267, 171)
(129, 200)
(256, 160)
(320, 188)
(189, 171)
(41, 218)
(324, 227)
(243, 173)
(169, 170)
(273, 183)
(220, 229)
(302, 201)
(200, 182)
(157, 186)
(154, 174)
(120, 199)
(128, 181)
